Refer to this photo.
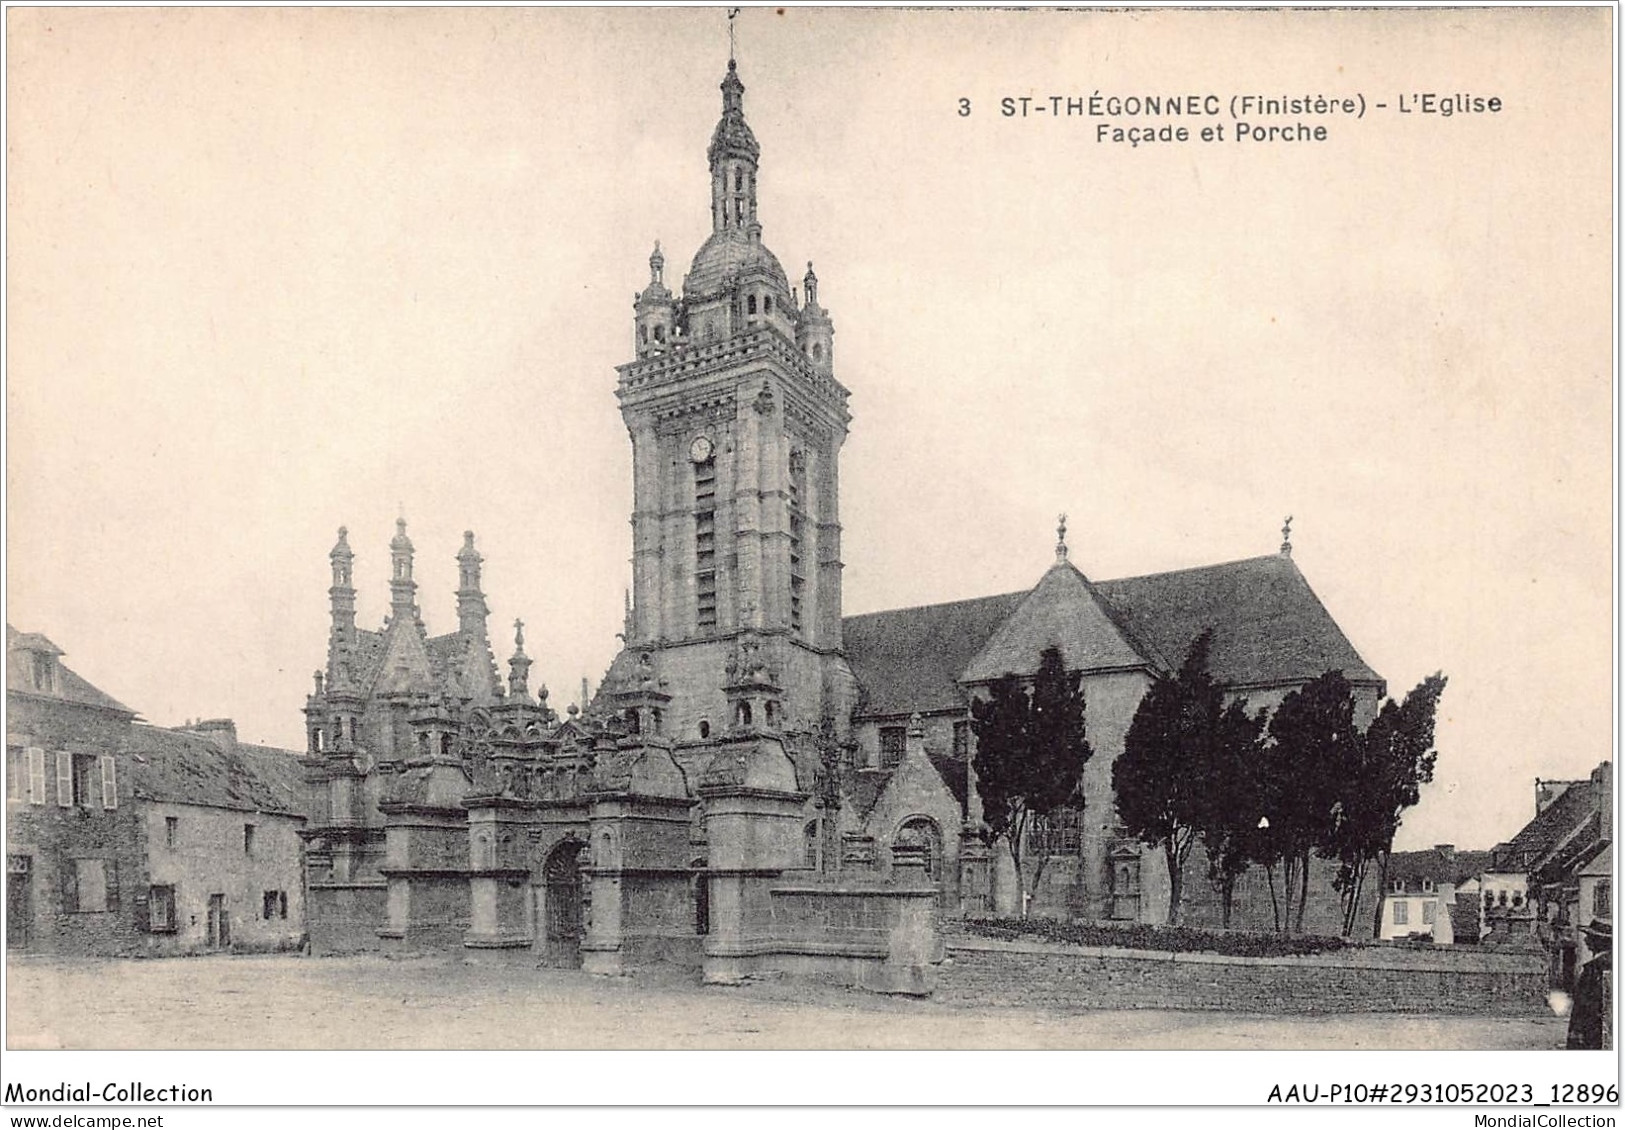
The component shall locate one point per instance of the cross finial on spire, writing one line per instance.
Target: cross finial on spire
(1060, 539)
(1286, 537)
(732, 12)
(519, 635)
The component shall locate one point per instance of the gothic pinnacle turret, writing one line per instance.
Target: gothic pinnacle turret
(342, 594)
(402, 588)
(471, 607)
(519, 666)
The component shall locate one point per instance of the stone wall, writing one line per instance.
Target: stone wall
(981, 972)
(344, 917)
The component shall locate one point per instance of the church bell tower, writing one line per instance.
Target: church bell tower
(736, 421)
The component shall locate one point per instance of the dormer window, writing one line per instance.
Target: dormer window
(44, 671)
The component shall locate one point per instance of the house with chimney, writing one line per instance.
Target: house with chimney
(1563, 859)
(128, 839)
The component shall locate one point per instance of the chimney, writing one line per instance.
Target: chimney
(1602, 784)
(221, 731)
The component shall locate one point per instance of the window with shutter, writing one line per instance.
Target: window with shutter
(109, 782)
(64, 779)
(161, 910)
(70, 886)
(36, 775)
(16, 773)
(110, 871)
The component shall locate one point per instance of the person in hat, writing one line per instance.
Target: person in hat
(1592, 991)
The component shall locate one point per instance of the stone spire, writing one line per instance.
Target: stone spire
(471, 608)
(402, 588)
(519, 666)
(1286, 537)
(342, 594)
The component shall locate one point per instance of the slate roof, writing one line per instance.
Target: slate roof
(909, 659)
(1268, 625)
(1549, 829)
(865, 788)
(953, 774)
(1414, 866)
(1269, 628)
(183, 768)
(70, 686)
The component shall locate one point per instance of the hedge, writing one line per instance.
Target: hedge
(1174, 939)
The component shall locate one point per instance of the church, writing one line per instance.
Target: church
(760, 781)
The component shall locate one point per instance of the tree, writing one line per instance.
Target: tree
(1168, 764)
(1312, 739)
(1231, 800)
(1031, 747)
(1399, 760)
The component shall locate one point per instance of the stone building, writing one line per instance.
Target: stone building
(759, 779)
(1563, 859)
(125, 838)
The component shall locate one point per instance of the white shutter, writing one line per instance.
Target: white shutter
(64, 779)
(36, 775)
(109, 782)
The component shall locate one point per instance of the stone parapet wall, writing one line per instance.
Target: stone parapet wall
(983, 972)
(877, 936)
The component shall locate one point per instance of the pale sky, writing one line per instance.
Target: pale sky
(274, 271)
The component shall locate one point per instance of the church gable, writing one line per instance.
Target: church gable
(1065, 611)
(915, 788)
(406, 665)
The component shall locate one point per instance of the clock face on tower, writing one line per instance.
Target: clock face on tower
(700, 450)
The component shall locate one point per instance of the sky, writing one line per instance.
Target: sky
(274, 271)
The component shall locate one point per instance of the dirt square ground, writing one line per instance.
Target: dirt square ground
(258, 1002)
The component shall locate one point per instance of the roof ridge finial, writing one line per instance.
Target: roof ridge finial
(1286, 537)
(1060, 540)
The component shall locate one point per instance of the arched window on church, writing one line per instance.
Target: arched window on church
(744, 714)
(660, 332)
(633, 726)
(767, 304)
(810, 842)
(750, 304)
(705, 729)
(817, 352)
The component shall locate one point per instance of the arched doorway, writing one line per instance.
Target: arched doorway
(562, 905)
(922, 831)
